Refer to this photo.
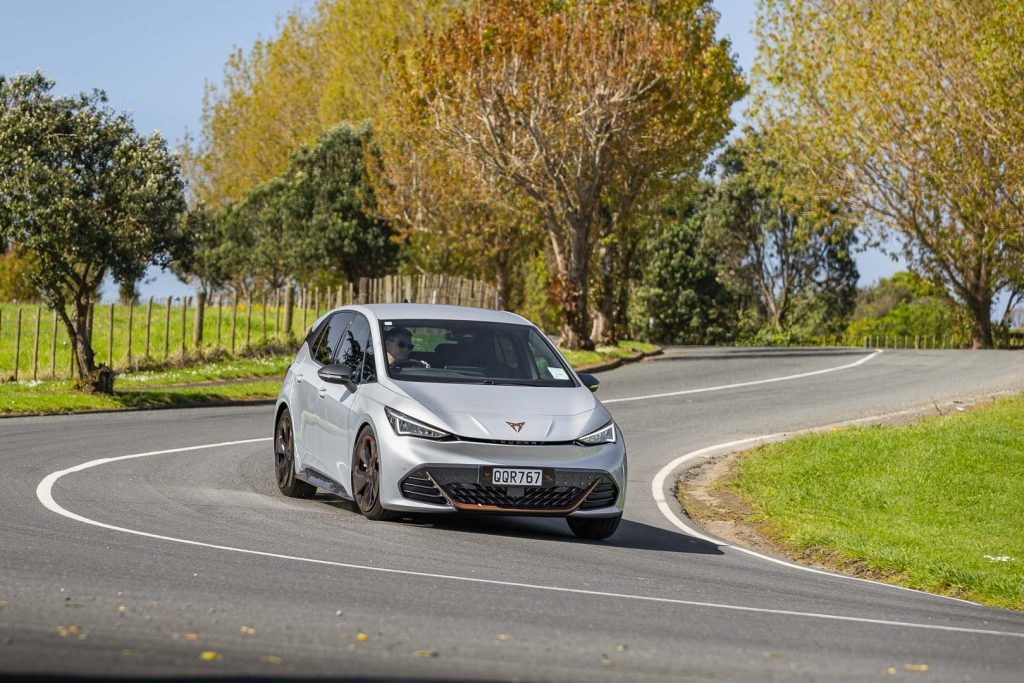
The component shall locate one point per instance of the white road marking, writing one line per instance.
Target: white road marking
(44, 492)
(770, 380)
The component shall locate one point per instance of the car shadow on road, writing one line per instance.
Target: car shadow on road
(630, 535)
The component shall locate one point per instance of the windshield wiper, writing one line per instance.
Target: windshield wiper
(510, 384)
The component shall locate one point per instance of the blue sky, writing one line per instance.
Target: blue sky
(152, 57)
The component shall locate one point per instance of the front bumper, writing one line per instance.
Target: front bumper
(420, 475)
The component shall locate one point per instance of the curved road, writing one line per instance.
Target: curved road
(187, 561)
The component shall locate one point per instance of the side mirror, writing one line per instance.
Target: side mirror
(336, 373)
(589, 381)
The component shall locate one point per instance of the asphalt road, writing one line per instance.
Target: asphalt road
(271, 587)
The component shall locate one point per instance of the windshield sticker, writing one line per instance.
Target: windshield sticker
(558, 373)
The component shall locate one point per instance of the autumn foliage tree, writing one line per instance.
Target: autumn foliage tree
(575, 106)
(911, 110)
(325, 65)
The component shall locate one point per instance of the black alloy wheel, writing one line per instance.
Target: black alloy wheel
(594, 528)
(366, 476)
(284, 460)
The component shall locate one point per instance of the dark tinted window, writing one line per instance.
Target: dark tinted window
(354, 349)
(473, 352)
(331, 338)
(313, 336)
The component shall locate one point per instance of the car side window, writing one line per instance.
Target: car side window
(355, 348)
(314, 335)
(329, 342)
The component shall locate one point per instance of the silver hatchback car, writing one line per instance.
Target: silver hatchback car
(414, 408)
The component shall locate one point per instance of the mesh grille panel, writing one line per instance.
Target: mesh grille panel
(498, 496)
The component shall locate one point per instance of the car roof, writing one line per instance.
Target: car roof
(437, 312)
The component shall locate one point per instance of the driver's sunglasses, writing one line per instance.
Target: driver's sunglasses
(405, 345)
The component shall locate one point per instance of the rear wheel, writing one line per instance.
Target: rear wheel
(284, 460)
(366, 477)
(594, 528)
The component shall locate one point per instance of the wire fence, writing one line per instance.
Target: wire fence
(34, 344)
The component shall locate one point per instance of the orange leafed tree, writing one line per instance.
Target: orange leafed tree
(575, 106)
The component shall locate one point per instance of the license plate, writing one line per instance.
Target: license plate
(507, 477)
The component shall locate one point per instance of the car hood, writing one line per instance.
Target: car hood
(486, 411)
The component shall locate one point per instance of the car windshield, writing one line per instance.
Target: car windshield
(471, 352)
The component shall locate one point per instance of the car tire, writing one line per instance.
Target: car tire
(284, 460)
(366, 476)
(594, 528)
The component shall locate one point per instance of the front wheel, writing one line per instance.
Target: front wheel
(594, 528)
(366, 477)
(284, 460)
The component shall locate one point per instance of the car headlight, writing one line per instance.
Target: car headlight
(406, 426)
(605, 434)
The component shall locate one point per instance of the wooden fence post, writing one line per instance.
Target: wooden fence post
(17, 344)
(184, 315)
(197, 324)
(35, 345)
(277, 313)
(264, 342)
(220, 305)
(289, 309)
(167, 328)
(149, 323)
(303, 304)
(234, 319)
(53, 348)
(248, 319)
(110, 340)
(131, 315)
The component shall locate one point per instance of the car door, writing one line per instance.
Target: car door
(303, 399)
(322, 351)
(334, 435)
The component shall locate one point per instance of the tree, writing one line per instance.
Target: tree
(680, 299)
(85, 195)
(319, 215)
(911, 110)
(576, 106)
(324, 66)
(332, 207)
(784, 250)
(902, 306)
(452, 217)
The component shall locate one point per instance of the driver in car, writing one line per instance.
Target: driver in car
(398, 344)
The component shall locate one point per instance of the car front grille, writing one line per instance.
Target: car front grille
(459, 486)
(556, 498)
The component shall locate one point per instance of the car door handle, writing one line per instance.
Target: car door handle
(321, 392)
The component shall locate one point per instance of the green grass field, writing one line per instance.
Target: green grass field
(936, 505)
(190, 384)
(54, 360)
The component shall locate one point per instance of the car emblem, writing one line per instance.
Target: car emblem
(517, 426)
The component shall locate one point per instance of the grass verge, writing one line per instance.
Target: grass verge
(934, 505)
(604, 354)
(60, 397)
(209, 382)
